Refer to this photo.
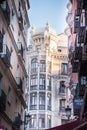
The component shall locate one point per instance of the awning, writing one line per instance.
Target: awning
(1, 127)
(83, 126)
(67, 126)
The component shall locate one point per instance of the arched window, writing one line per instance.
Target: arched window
(34, 65)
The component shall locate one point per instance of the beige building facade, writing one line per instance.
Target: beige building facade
(14, 24)
(47, 73)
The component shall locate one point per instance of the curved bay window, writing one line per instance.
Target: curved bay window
(42, 101)
(42, 66)
(48, 82)
(48, 101)
(62, 87)
(33, 82)
(42, 82)
(33, 121)
(41, 123)
(34, 65)
(33, 101)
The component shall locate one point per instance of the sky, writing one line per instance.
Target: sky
(52, 11)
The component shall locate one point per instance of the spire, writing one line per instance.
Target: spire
(48, 26)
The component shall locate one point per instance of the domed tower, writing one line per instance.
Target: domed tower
(47, 70)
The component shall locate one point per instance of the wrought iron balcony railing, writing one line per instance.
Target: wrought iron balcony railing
(81, 34)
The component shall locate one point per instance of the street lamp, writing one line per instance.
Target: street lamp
(68, 112)
(26, 119)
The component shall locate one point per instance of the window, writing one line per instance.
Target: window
(42, 101)
(34, 65)
(83, 80)
(49, 121)
(41, 121)
(64, 68)
(42, 66)
(33, 101)
(59, 50)
(33, 122)
(49, 101)
(62, 105)
(62, 87)
(42, 82)
(33, 82)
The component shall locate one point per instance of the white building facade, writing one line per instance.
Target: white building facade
(47, 74)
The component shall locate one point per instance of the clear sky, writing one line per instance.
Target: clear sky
(52, 11)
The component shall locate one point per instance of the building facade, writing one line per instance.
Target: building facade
(14, 23)
(79, 56)
(47, 71)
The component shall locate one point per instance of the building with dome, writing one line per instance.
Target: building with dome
(47, 77)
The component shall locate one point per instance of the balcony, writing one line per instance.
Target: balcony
(34, 70)
(33, 107)
(81, 35)
(41, 107)
(17, 122)
(77, 53)
(20, 84)
(75, 66)
(76, 24)
(33, 87)
(2, 100)
(6, 10)
(5, 55)
(41, 87)
(79, 7)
